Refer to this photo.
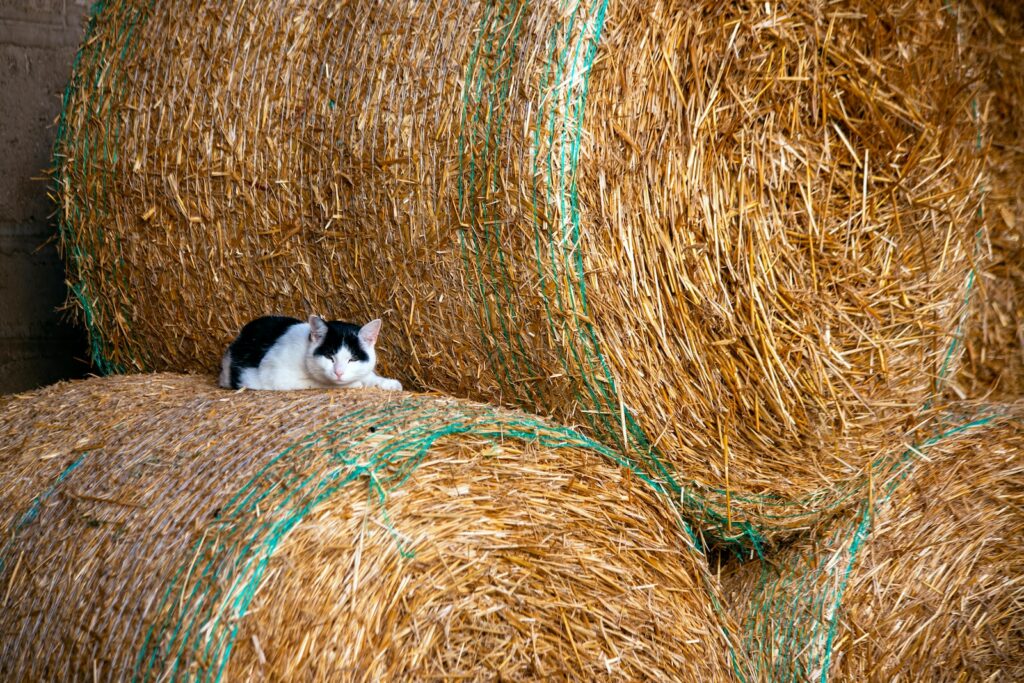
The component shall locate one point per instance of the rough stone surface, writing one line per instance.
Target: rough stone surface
(38, 345)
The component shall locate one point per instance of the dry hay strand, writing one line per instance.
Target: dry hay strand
(158, 528)
(1002, 11)
(733, 241)
(994, 346)
(922, 584)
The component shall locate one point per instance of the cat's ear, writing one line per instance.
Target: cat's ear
(317, 329)
(369, 332)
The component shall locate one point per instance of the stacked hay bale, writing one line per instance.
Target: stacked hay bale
(995, 336)
(922, 584)
(159, 528)
(733, 242)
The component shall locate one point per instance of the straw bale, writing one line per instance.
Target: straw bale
(994, 350)
(157, 528)
(924, 585)
(733, 240)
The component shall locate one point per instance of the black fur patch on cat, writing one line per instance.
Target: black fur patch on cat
(254, 341)
(342, 334)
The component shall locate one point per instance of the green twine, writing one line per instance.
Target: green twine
(863, 530)
(65, 227)
(867, 513)
(560, 119)
(199, 614)
(793, 594)
(32, 513)
(69, 214)
(486, 96)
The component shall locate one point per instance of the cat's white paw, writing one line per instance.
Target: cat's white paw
(390, 384)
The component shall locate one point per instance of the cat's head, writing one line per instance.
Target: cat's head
(340, 353)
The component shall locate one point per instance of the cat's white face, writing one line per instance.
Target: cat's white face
(339, 353)
(340, 368)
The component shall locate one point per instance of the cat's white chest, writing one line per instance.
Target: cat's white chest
(283, 367)
(275, 378)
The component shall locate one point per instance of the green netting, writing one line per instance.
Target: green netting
(198, 617)
(67, 218)
(804, 651)
(791, 627)
(572, 48)
(32, 513)
(100, 157)
(484, 116)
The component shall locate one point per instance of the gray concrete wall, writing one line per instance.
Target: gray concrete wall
(38, 41)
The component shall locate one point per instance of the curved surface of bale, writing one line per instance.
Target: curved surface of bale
(994, 349)
(734, 241)
(158, 528)
(924, 587)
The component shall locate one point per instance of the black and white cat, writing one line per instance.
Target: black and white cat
(276, 352)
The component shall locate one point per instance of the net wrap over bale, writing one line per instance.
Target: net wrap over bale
(922, 583)
(733, 241)
(157, 528)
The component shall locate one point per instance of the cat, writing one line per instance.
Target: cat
(277, 352)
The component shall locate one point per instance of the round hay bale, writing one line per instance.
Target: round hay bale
(994, 348)
(733, 241)
(158, 528)
(924, 585)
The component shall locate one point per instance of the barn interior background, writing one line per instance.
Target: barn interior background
(38, 345)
